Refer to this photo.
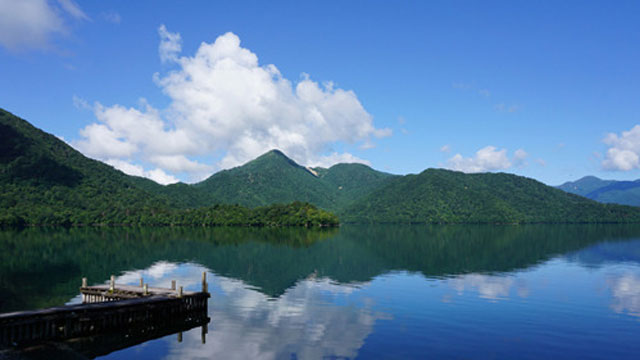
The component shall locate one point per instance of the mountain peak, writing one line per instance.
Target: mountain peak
(274, 155)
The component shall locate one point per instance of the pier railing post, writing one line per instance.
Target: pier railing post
(180, 292)
(112, 284)
(141, 281)
(204, 282)
(84, 282)
(173, 284)
(146, 289)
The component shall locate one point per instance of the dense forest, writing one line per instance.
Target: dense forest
(443, 196)
(44, 181)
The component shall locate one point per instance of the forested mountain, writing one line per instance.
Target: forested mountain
(275, 178)
(605, 191)
(270, 178)
(44, 181)
(437, 195)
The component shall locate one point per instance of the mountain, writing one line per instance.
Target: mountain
(270, 178)
(44, 181)
(437, 195)
(275, 178)
(605, 191)
(352, 181)
(584, 185)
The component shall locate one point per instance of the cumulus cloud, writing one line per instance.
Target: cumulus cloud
(158, 175)
(222, 101)
(170, 45)
(488, 158)
(624, 150)
(30, 24)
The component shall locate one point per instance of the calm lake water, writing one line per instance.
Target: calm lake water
(381, 292)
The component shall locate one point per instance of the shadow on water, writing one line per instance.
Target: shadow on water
(43, 267)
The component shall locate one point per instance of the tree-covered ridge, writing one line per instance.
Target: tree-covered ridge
(270, 178)
(443, 196)
(44, 181)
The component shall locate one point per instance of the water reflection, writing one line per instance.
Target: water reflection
(303, 322)
(489, 287)
(358, 291)
(625, 290)
(274, 260)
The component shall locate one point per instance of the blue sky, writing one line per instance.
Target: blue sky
(548, 90)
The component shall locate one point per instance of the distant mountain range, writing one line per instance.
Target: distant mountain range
(605, 191)
(45, 181)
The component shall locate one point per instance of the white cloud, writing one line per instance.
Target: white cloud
(31, 24)
(73, 9)
(445, 148)
(179, 163)
(519, 158)
(158, 175)
(624, 150)
(488, 158)
(28, 23)
(484, 92)
(170, 45)
(224, 102)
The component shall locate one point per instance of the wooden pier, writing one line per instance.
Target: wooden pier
(107, 308)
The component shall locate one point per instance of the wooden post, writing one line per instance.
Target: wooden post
(141, 281)
(203, 335)
(84, 282)
(180, 292)
(146, 289)
(112, 285)
(180, 337)
(173, 284)
(204, 281)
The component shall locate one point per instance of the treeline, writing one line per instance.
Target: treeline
(293, 214)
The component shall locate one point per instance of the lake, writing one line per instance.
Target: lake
(370, 292)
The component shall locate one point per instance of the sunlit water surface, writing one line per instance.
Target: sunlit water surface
(396, 292)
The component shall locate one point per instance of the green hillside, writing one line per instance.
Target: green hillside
(44, 181)
(270, 178)
(605, 191)
(443, 196)
(275, 178)
(352, 181)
